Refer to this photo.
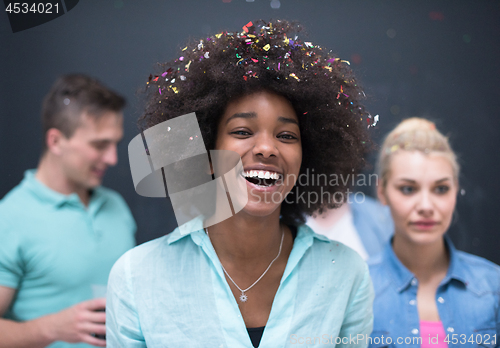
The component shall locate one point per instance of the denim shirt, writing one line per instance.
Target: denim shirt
(468, 301)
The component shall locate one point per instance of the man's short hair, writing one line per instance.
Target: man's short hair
(70, 96)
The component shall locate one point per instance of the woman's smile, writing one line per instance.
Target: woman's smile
(264, 178)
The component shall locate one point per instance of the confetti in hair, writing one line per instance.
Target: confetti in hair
(257, 43)
(272, 49)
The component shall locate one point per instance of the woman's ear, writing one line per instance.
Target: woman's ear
(381, 192)
(459, 190)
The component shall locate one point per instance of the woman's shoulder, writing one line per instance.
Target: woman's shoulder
(137, 255)
(378, 261)
(153, 245)
(334, 252)
(386, 269)
(479, 271)
(331, 262)
(167, 249)
(478, 261)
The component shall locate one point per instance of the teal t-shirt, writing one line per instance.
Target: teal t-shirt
(54, 250)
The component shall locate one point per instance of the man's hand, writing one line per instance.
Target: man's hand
(75, 324)
(79, 323)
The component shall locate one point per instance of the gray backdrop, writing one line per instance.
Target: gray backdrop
(437, 59)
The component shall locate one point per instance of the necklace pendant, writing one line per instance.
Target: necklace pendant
(243, 297)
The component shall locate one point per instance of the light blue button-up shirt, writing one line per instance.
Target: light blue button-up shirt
(172, 292)
(468, 301)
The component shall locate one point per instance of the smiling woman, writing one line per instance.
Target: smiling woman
(449, 297)
(261, 277)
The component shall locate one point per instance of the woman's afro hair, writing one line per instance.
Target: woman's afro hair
(269, 56)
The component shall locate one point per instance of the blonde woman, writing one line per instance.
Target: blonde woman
(428, 294)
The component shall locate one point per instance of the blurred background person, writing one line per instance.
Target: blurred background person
(362, 223)
(428, 294)
(61, 231)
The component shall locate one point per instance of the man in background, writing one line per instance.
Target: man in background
(60, 232)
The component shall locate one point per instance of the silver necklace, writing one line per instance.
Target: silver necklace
(243, 296)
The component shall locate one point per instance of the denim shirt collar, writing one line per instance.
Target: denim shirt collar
(403, 278)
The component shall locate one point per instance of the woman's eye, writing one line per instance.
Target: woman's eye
(441, 189)
(287, 137)
(406, 190)
(241, 133)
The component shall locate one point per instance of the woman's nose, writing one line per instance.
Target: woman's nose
(425, 205)
(265, 146)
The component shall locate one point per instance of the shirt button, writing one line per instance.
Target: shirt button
(413, 302)
(450, 329)
(414, 331)
(414, 282)
(441, 300)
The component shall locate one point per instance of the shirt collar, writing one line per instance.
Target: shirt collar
(57, 199)
(457, 268)
(195, 228)
(400, 274)
(403, 277)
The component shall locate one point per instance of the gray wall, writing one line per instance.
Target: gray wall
(437, 59)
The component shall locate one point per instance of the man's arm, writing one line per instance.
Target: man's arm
(74, 324)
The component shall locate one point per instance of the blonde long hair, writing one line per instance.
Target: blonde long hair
(415, 134)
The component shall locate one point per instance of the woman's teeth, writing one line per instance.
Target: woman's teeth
(261, 177)
(261, 174)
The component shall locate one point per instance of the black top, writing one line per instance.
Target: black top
(255, 334)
